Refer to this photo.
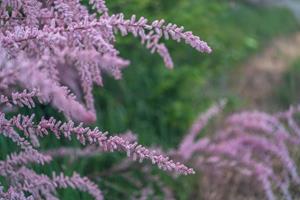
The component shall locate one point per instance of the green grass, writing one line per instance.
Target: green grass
(160, 104)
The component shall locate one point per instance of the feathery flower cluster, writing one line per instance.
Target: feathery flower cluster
(88, 151)
(59, 41)
(26, 180)
(252, 143)
(20, 99)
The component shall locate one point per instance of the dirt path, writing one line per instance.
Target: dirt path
(256, 79)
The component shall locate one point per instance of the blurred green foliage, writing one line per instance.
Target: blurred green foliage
(159, 104)
(287, 93)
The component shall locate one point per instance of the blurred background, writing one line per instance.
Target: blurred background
(255, 64)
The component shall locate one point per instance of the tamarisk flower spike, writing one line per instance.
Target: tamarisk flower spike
(106, 143)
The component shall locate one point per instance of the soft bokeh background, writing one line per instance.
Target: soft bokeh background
(255, 64)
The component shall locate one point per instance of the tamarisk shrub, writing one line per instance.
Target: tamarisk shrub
(254, 144)
(53, 52)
